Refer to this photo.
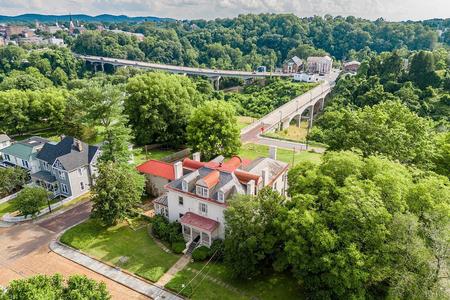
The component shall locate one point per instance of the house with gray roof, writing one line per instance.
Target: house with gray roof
(23, 153)
(199, 193)
(66, 168)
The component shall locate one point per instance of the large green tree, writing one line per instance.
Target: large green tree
(11, 179)
(102, 106)
(159, 106)
(117, 191)
(354, 229)
(253, 241)
(31, 200)
(76, 287)
(388, 128)
(213, 130)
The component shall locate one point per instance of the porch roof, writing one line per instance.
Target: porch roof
(198, 221)
(44, 176)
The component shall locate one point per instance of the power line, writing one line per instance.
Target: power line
(201, 270)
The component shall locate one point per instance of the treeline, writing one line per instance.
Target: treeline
(248, 41)
(353, 228)
(259, 99)
(397, 105)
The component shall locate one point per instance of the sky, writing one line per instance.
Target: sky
(393, 10)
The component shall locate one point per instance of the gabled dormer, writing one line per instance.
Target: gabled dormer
(207, 183)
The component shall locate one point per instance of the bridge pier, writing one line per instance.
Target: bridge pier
(216, 82)
(311, 116)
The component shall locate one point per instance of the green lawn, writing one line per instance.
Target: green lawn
(6, 208)
(9, 207)
(274, 286)
(145, 258)
(252, 151)
(243, 121)
(140, 156)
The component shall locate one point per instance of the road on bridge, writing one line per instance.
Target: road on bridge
(179, 69)
(251, 133)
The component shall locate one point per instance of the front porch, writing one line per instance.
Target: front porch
(46, 180)
(199, 229)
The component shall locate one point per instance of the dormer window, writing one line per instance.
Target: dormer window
(221, 197)
(184, 186)
(202, 191)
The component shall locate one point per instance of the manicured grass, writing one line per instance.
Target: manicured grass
(292, 132)
(252, 151)
(6, 208)
(145, 258)
(274, 286)
(243, 121)
(140, 156)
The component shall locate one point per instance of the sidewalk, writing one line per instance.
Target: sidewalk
(178, 266)
(127, 280)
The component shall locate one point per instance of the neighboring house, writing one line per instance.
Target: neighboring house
(293, 65)
(352, 66)
(66, 168)
(5, 141)
(198, 196)
(319, 65)
(23, 154)
(158, 174)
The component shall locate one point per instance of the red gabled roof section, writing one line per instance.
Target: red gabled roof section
(232, 164)
(198, 221)
(211, 179)
(195, 165)
(157, 168)
(244, 177)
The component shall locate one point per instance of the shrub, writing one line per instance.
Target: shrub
(201, 253)
(178, 247)
(217, 246)
(165, 231)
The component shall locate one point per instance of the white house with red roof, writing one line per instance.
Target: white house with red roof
(198, 194)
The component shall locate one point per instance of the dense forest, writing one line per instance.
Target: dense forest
(248, 41)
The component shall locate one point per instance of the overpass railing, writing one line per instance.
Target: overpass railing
(309, 96)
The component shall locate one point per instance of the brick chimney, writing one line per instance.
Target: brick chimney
(251, 187)
(196, 156)
(273, 152)
(78, 145)
(265, 176)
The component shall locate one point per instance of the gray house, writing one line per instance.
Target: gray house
(66, 168)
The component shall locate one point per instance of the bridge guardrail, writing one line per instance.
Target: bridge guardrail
(314, 93)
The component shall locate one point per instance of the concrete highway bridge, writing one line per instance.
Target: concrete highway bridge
(302, 107)
(215, 75)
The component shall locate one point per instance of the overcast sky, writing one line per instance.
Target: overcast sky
(210, 9)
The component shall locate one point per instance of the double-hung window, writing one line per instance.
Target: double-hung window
(203, 208)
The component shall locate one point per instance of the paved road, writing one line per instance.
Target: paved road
(179, 69)
(291, 108)
(68, 218)
(24, 252)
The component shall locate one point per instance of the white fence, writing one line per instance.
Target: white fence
(8, 198)
(11, 219)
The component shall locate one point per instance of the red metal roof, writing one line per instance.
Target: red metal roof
(232, 164)
(198, 221)
(157, 168)
(211, 179)
(194, 164)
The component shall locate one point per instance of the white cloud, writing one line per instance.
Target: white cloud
(188, 9)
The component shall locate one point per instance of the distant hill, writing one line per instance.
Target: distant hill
(82, 18)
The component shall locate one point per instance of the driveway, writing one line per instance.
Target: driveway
(24, 252)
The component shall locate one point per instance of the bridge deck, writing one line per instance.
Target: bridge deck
(179, 69)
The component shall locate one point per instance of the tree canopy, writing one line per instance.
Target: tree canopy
(213, 130)
(159, 106)
(76, 287)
